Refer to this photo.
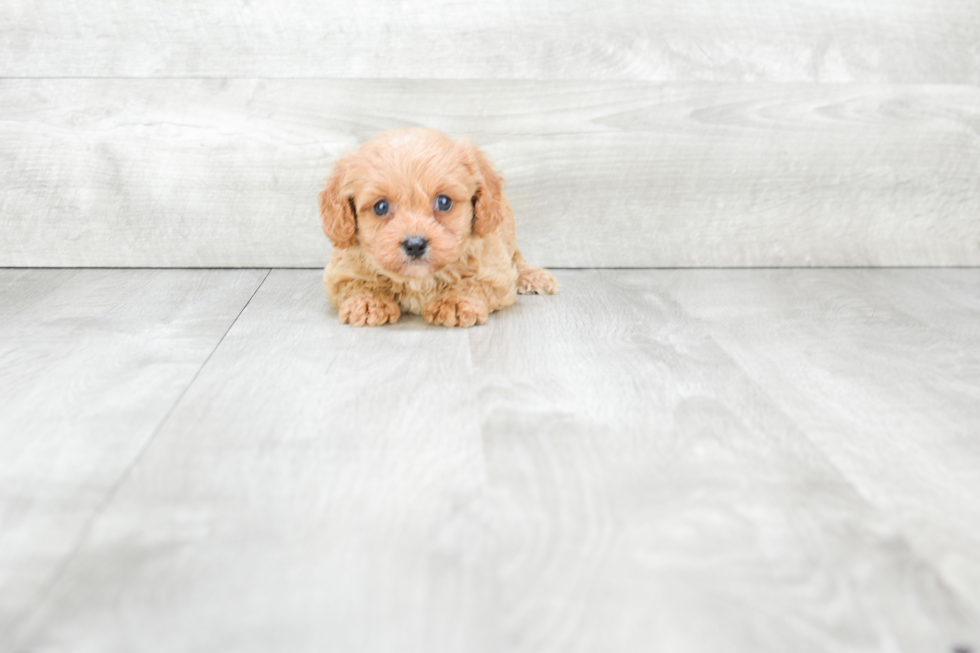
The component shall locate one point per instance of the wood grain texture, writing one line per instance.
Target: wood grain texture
(881, 368)
(317, 490)
(587, 472)
(618, 174)
(728, 40)
(643, 482)
(90, 363)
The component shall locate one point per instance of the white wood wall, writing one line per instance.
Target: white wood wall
(659, 133)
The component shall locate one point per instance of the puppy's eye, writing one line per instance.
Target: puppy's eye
(443, 203)
(381, 207)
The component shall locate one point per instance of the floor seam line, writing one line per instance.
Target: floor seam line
(124, 476)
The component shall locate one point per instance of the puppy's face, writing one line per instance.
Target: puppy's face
(411, 199)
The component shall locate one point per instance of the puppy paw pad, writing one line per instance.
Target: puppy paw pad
(535, 281)
(367, 310)
(453, 310)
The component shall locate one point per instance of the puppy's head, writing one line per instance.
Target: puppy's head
(411, 198)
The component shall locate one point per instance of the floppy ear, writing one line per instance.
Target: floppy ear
(337, 210)
(488, 203)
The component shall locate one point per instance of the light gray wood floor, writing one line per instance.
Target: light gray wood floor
(653, 460)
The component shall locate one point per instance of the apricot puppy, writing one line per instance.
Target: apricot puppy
(420, 223)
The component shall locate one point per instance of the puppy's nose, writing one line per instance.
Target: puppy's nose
(415, 246)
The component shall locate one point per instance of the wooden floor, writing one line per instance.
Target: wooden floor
(653, 460)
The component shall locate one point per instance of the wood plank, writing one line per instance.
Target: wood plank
(651, 498)
(712, 40)
(225, 173)
(317, 489)
(90, 363)
(881, 369)
(587, 472)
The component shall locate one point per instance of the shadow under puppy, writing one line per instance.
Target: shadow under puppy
(420, 223)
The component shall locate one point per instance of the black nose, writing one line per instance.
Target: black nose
(415, 246)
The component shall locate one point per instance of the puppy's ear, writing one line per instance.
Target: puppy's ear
(337, 209)
(488, 203)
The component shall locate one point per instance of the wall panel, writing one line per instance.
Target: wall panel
(209, 173)
(871, 41)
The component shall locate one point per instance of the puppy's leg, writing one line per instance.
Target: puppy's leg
(454, 308)
(532, 280)
(368, 310)
(360, 303)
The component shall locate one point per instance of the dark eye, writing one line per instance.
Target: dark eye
(443, 203)
(381, 207)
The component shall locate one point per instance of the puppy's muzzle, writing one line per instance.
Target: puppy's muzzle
(415, 246)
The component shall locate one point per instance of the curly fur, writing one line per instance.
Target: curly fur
(471, 266)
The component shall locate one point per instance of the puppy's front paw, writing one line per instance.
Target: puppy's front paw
(455, 310)
(369, 310)
(535, 281)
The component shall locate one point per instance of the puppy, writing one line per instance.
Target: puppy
(420, 223)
